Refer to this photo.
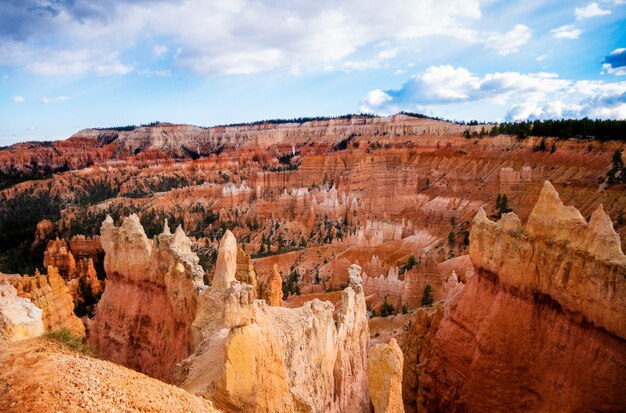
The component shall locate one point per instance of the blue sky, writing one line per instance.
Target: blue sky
(72, 64)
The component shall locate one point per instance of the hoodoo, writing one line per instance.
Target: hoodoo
(541, 324)
(219, 341)
(144, 317)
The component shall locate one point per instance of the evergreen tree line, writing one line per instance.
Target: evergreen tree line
(565, 128)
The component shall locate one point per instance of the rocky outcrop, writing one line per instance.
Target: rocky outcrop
(384, 377)
(273, 289)
(416, 348)
(579, 265)
(19, 318)
(80, 276)
(564, 350)
(259, 358)
(85, 285)
(144, 317)
(243, 354)
(245, 270)
(51, 295)
(58, 255)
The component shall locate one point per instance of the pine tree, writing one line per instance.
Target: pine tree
(428, 296)
(386, 309)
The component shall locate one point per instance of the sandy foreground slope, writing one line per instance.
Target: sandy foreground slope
(42, 375)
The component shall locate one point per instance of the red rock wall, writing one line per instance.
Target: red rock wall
(540, 326)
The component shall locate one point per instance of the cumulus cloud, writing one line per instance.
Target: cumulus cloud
(519, 96)
(590, 10)
(510, 42)
(615, 63)
(18, 99)
(569, 31)
(57, 99)
(223, 36)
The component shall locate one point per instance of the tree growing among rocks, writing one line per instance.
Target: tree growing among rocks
(428, 296)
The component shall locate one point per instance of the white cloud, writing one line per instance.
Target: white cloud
(159, 50)
(590, 10)
(373, 63)
(509, 42)
(541, 58)
(519, 96)
(615, 63)
(57, 99)
(241, 36)
(569, 31)
(376, 98)
(157, 73)
(75, 62)
(18, 99)
(113, 69)
(618, 71)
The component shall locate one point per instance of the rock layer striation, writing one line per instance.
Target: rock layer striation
(540, 326)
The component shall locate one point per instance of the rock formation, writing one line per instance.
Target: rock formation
(79, 275)
(564, 350)
(143, 319)
(245, 270)
(19, 318)
(57, 255)
(384, 377)
(267, 359)
(415, 343)
(51, 295)
(273, 289)
(579, 265)
(85, 278)
(243, 354)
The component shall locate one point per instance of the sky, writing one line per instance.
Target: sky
(66, 65)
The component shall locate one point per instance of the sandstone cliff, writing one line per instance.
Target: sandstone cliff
(273, 289)
(540, 326)
(51, 295)
(384, 377)
(143, 319)
(80, 276)
(243, 354)
(19, 318)
(259, 358)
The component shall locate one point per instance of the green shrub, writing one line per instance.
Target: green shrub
(70, 340)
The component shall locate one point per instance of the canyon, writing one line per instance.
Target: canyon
(343, 265)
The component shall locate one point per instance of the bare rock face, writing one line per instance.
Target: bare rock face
(416, 348)
(241, 353)
(541, 325)
(579, 265)
(79, 274)
(58, 255)
(144, 317)
(384, 377)
(273, 289)
(19, 318)
(260, 358)
(49, 293)
(85, 277)
(245, 270)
